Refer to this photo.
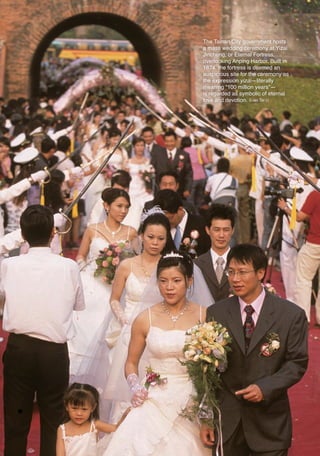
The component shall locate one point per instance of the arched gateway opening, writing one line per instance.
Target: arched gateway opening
(144, 46)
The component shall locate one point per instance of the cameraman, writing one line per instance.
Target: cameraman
(293, 239)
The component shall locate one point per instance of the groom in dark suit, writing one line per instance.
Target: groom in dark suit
(185, 227)
(269, 354)
(220, 221)
(173, 159)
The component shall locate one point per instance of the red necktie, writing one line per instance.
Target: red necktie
(248, 326)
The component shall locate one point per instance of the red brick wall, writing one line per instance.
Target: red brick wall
(174, 26)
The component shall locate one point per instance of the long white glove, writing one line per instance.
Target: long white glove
(39, 176)
(118, 312)
(139, 392)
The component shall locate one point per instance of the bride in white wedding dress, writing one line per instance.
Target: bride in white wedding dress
(131, 279)
(96, 238)
(155, 426)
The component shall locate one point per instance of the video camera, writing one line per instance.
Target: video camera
(275, 188)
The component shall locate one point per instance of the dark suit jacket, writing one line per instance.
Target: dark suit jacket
(266, 425)
(196, 222)
(180, 164)
(218, 290)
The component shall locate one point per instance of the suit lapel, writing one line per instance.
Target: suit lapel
(235, 323)
(265, 321)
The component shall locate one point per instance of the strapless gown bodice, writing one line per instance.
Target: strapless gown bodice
(157, 428)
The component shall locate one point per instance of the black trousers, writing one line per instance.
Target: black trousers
(237, 446)
(32, 366)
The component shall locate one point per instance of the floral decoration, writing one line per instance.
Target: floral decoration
(108, 171)
(180, 162)
(109, 258)
(148, 176)
(153, 378)
(189, 244)
(271, 345)
(205, 352)
(270, 288)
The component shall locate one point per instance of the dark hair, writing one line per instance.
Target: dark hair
(221, 212)
(158, 218)
(53, 191)
(63, 143)
(170, 133)
(185, 142)
(109, 195)
(147, 128)
(137, 139)
(114, 132)
(182, 261)
(121, 177)
(36, 224)
(47, 144)
(223, 165)
(78, 394)
(173, 174)
(246, 253)
(168, 200)
(5, 141)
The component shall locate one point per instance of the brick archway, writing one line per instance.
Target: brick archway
(148, 53)
(164, 33)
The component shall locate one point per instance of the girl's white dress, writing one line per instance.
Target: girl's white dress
(156, 428)
(81, 445)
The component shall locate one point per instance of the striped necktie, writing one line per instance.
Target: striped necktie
(219, 268)
(248, 326)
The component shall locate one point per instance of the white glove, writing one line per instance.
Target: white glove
(139, 392)
(76, 171)
(118, 312)
(39, 176)
(59, 220)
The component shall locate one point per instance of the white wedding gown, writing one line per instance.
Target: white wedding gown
(89, 321)
(156, 428)
(116, 389)
(137, 192)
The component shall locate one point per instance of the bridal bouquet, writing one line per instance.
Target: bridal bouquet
(189, 244)
(148, 175)
(205, 352)
(109, 258)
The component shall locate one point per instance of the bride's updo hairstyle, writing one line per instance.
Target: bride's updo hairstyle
(109, 195)
(156, 217)
(182, 261)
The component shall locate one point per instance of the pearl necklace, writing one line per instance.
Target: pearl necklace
(113, 233)
(174, 318)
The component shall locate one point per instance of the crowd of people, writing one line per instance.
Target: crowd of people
(198, 216)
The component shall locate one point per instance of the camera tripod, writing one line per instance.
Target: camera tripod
(274, 244)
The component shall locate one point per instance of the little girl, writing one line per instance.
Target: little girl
(78, 436)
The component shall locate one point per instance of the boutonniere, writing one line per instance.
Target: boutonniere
(189, 244)
(271, 345)
(181, 162)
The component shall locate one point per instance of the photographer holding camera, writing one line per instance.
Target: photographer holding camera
(293, 239)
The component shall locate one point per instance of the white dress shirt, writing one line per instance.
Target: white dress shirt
(41, 291)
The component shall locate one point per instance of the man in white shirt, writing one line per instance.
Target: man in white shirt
(41, 291)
